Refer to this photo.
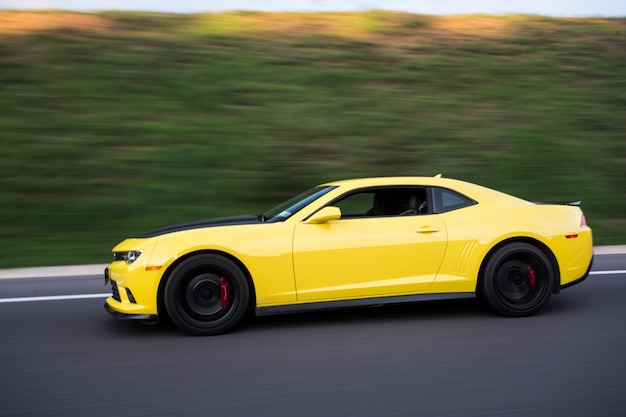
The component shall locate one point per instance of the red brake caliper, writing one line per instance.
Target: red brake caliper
(531, 276)
(224, 292)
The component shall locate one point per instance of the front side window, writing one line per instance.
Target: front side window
(386, 201)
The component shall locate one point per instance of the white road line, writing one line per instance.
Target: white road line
(53, 298)
(623, 271)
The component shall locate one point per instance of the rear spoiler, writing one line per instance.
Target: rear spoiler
(560, 203)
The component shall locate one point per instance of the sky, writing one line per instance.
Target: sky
(561, 8)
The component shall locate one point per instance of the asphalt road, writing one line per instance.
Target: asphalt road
(68, 357)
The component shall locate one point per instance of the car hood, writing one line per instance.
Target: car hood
(199, 224)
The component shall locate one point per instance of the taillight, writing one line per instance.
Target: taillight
(583, 221)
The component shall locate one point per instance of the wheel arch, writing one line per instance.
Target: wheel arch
(556, 285)
(166, 275)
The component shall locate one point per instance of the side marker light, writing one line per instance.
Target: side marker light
(153, 267)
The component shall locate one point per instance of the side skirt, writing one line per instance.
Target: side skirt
(362, 302)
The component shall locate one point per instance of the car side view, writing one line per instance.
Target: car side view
(353, 243)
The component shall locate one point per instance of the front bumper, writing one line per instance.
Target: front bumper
(133, 291)
(144, 318)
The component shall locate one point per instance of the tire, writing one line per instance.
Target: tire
(206, 295)
(518, 280)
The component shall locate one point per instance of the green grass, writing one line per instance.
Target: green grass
(158, 119)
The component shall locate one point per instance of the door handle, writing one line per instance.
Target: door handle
(427, 229)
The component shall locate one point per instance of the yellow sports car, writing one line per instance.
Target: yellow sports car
(359, 242)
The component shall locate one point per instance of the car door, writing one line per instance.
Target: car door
(367, 254)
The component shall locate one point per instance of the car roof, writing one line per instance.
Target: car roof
(406, 180)
(475, 191)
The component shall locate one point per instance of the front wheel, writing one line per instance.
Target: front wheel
(206, 294)
(517, 280)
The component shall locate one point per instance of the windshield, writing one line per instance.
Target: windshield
(288, 208)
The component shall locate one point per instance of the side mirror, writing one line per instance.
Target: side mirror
(325, 215)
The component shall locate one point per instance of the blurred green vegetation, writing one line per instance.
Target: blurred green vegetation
(114, 123)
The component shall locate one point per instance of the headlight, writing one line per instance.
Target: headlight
(127, 256)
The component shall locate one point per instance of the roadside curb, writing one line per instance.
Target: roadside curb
(98, 269)
(608, 250)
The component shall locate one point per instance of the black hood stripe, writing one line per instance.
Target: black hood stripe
(199, 224)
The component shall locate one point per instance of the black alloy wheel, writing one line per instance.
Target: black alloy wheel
(206, 294)
(518, 280)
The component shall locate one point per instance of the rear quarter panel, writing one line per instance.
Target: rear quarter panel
(474, 231)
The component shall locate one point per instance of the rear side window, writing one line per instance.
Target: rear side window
(447, 200)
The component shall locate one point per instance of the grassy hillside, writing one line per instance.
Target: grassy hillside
(114, 123)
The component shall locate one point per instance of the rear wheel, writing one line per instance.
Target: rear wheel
(206, 294)
(518, 280)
